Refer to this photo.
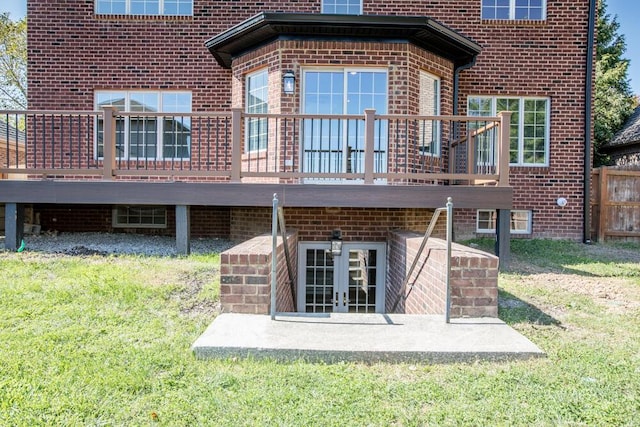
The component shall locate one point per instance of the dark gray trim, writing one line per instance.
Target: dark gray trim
(268, 26)
(13, 226)
(587, 121)
(229, 194)
(183, 229)
(503, 237)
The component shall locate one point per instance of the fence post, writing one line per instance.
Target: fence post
(236, 144)
(369, 144)
(504, 148)
(604, 199)
(109, 142)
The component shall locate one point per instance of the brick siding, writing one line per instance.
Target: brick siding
(316, 224)
(167, 53)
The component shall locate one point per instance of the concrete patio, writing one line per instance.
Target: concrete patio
(335, 337)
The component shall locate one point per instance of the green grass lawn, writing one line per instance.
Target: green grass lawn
(104, 340)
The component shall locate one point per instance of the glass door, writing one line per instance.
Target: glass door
(353, 282)
(336, 145)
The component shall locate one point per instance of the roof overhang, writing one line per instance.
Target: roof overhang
(266, 27)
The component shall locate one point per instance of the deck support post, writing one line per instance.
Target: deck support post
(183, 229)
(503, 237)
(13, 225)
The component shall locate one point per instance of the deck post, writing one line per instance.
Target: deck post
(109, 139)
(369, 144)
(236, 144)
(504, 148)
(13, 225)
(183, 229)
(503, 237)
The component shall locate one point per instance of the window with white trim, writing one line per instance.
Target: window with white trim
(144, 7)
(534, 10)
(148, 137)
(257, 102)
(529, 131)
(429, 138)
(342, 7)
(520, 222)
(139, 217)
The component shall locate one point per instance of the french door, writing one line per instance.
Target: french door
(353, 282)
(337, 145)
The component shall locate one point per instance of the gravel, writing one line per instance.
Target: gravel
(120, 243)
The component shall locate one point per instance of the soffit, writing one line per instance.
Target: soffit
(265, 27)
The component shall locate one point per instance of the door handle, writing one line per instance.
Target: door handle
(345, 300)
(336, 300)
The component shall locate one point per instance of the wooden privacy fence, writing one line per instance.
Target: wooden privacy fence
(615, 204)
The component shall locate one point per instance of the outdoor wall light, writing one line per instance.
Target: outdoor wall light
(336, 243)
(562, 202)
(289, 82)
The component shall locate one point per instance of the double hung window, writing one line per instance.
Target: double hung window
(257, 102)
(430, 130)
(529, 130)
(148, 136)
(535, 10)
(342, 7)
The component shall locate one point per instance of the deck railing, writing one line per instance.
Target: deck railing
(239, 147)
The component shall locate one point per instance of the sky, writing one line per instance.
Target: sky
(627, 12)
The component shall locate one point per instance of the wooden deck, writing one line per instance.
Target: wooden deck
(230, 194)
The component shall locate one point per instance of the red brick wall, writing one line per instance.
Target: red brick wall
(473, 282)
(313, 224)
(245, 276)
(157, 53)
(205, 221)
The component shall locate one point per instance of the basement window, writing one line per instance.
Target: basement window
(520, 221)
(139, 217)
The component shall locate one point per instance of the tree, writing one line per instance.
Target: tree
(613, 99)
(13, 63)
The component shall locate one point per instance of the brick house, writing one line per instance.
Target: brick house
(185, 116)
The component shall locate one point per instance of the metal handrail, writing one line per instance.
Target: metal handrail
(432, 223)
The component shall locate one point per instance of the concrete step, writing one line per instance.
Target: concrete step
(335, 337)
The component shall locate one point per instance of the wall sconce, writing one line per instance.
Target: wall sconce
(289, 82)
(336, 243)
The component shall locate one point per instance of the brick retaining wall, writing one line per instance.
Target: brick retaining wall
(474, 278)
(245, 276)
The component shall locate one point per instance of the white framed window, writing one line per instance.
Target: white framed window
(257, 102)
(342, 7)
(148, 137)
(529, 132)
(139, 217)
(335, 145)
(535, 10)
(144, 7)
(520, 222)
(430, 130)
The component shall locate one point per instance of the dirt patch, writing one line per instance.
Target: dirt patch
(617, 294)
(192, 304)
